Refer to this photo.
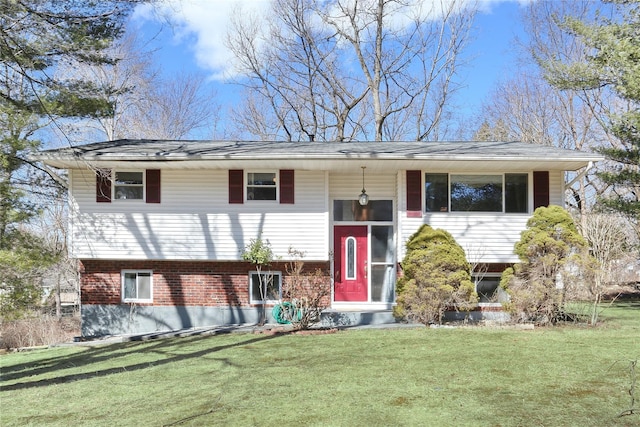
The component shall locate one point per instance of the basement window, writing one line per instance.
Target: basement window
(488, 288)
(137, 286)
(265, 287)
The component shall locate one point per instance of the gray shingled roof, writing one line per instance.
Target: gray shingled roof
(231, 151)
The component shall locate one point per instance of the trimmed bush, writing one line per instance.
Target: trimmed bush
(535, 284)
(436, 278)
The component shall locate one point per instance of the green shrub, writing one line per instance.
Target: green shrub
(436, 277)
(545, 247)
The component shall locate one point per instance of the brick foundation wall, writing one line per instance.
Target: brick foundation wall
(492, 267)
(179, 283)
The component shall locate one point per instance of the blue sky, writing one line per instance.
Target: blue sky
(194, 42)
(493, 51)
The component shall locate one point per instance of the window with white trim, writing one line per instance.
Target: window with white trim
(128, 185)
(265, 287)
(350, 257)
(488, 288)
(436, 191)
(507, 192)
(262, 186)
(476, 193)
(137, 286)
(516, 193)
(351, 210)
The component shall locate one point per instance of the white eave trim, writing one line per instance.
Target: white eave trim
(327, 162)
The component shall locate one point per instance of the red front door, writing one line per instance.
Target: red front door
(350, 263)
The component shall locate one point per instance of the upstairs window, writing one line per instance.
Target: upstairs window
(516, 193)
(261, 186)
(437, 192)
(128, 185)
(477, 192)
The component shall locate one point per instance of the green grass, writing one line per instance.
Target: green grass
(560, 376)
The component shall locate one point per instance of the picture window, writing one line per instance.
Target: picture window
(477, 192)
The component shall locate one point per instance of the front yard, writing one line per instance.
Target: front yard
(557, 376)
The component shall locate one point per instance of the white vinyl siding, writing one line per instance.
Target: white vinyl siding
(484, 237)
(379, 186)
(195, 220)
(556, 188)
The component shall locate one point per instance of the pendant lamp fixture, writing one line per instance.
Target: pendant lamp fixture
(363, 199)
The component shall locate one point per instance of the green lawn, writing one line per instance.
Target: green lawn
(560, 376)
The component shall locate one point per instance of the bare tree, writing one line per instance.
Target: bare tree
(345, 70)
(62, 279)
(522, 109)
(145, 103)
(176, 107)
(608, 237)
(129, 80)
(296, 88)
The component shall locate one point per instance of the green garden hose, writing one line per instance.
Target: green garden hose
(284, 312)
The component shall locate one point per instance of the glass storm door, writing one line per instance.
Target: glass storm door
(350, 263)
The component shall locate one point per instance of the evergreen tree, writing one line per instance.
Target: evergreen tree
(545, 247)
(436, 278)
(36, 38)
(614, 42)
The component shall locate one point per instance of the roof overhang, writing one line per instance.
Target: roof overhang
(376, 156)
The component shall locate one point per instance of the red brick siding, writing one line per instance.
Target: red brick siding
(183, 283)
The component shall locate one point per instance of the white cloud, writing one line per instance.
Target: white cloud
(202, 26)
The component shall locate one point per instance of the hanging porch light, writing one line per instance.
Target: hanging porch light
(363, 199)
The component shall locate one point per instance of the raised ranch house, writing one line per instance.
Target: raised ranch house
(160, 226)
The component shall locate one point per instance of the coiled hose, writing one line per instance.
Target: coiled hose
(284, 312)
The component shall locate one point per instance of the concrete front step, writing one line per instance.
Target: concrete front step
(333, 318)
